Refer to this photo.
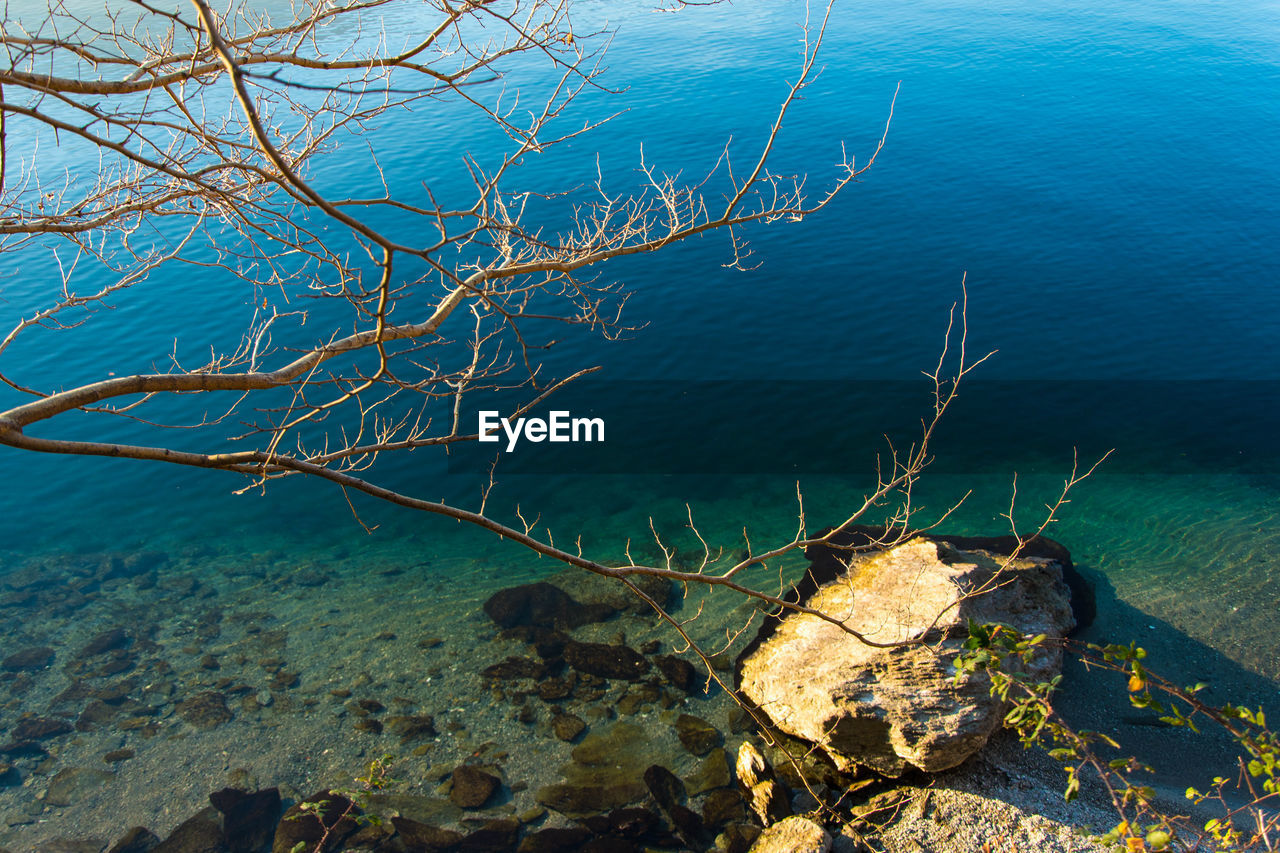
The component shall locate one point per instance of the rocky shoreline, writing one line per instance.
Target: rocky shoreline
(153, 695)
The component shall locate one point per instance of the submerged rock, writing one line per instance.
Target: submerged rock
(115, 638)
(205, 710)
(472, 787)
(514, 667)
(891, 708)
(664, 786)
(31, 658)
(424, 837)
(200, 833)
(555, 840)
(696, 734)
(606, 660)
(40, 728)
(137, 840)
(412, 726)
(712, 773)
(542, 605)
(72, 784)
(582, 800)
(723, 806)
(566, 727)
(678, 671)
(495, 836)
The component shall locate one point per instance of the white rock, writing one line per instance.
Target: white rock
(887, 708)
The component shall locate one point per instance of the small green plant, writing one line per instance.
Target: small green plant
(377, 777)
(1247, 823)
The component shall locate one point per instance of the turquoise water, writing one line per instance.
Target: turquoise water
(1103, 174)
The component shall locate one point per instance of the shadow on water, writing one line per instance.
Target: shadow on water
(1098, 700)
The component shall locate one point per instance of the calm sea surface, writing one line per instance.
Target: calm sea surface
(1105, 175)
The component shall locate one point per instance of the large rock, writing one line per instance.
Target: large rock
(890, 708)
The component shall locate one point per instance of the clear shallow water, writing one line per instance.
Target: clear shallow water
(1104, 174)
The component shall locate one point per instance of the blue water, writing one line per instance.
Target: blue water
(1103, 176)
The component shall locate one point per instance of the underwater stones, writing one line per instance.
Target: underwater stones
(72, 784)
(472, 787)
(283, 680)
(22, 748)
(555, 840)
(117, 755)
(299, 826)
(113, 694)
(412, 726)
(200, 833)
(664, 786)
(669, 793)
(132, 565)
(621, 744)
(495, 836)
(566, 727)
(205, 710)
(890, 709)
(638, 696)
(514, 667)
(632, 823)
(696, 734)
(678, 671)
(723, 806)
(30, 658)
(8, 775)
(139, 839)
(554, 689)
(422, 837)
(114, 638)
(115, 662)
(713, 772)
(583, 800)
(423, 809)
(40, 728)
(606, 660)
(542, 605)
(248, 819)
